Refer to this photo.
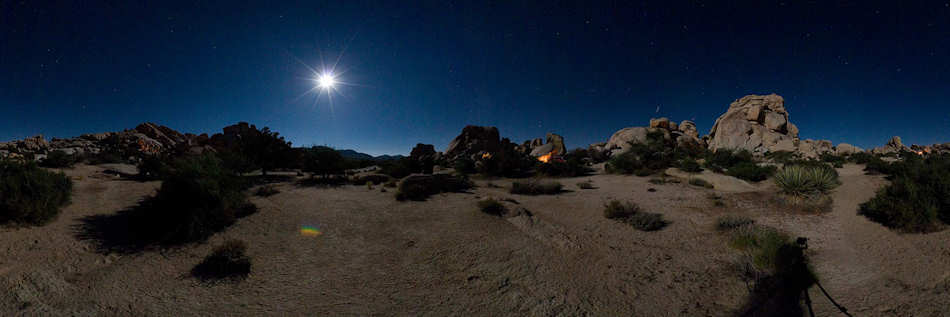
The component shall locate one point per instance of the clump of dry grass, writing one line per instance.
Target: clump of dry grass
(631, 214)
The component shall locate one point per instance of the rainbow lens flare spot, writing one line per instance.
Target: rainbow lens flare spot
(310, 231)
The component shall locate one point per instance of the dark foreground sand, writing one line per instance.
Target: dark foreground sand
(380, 257)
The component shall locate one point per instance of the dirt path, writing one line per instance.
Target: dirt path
(868, 268)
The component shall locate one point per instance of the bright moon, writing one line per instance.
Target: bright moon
(326, 81)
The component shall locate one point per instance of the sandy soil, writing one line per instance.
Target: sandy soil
(443, 257)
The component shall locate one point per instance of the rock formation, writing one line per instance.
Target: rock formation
(847, 149)
(893, 146)
(554, 144)
(473, 140)
(683, 134)
(755, 123)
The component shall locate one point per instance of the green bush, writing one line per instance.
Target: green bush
(198, 198)
(59, 159)
(834, 160)
(782, 156)
(762, 242)
(731, 222)
(724, 159)
(420, 187)
(616, 209)
(631, 214)
(491, 207)
(644, 159)
(536, 188)
(750, 171)
(570, 168)
(31, 195)
(700, 182)
(228, 260)
(806, 180)
(464, 166)
(690, 165)
(917, 199)
(105, 157)
(153, 167)
(860, 157)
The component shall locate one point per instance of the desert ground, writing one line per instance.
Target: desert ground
(443, 257)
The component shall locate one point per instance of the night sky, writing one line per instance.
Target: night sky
(849, 71)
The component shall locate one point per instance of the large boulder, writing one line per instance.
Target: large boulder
(555, 145)
(166, 136)
(472, 140)
(689, 128)
(814, 149)
(422, 152)
(894, 145)
(847, 149)
(34, 144)
(755, 123)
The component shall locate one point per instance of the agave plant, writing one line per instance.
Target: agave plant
(804, 180)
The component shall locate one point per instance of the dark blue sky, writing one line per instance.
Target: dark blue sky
(849, 71)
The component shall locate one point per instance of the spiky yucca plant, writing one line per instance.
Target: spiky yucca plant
(804, 180)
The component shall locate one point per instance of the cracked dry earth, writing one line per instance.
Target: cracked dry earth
(443, 257)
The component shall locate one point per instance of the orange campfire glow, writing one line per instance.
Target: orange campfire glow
(547, 157)
(486, 156)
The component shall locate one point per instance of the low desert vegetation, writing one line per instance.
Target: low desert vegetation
(572, 167)
(716, 199)
(739, 164)
(59, 159)
(918, 197)
(643, 159)
(198, 198)
(732, 222)
(806, 179)
(30, 195)
(631, 214)
(751, 171)
(227, 261)
(420, 187)
(837, 161)
(782, 157)
(105, 156)
(700, 182)
(491, 206)
(536, 187)
(689, 165)
(586, 185)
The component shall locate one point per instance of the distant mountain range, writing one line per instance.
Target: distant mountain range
(351, 154)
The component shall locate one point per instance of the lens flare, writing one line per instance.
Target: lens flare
(310, 231)
(326, 81)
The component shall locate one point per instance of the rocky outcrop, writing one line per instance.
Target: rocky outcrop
(894, 145)
(755, 123)
(425, 154)
(814, 149)
(473, 140)
(683, 134)
(554, 144)
(847, 149)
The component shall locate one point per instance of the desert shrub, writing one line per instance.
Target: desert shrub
(782, 156)
(59, 159)
(631, 214)
(731, 222)
(105, 156)
(266, 191)
(585, 185)
(198, 198)
(860, 157)
(724, 159)
(375, 178)
(569, 168)
(917, 199)
(643, 159)
(876, 165)
(507, 163)
(228, 260)
(762, 242)
(491, 206)
(616, 209)
(420, 187)
(153, 167)
(323, 161)
(700, 182)
(834, 160)
(646, 221)
(464, 166)
(751, 171)
(690, 165)
(31, 195)
(804, 180)
(391, 183)
(536, 188)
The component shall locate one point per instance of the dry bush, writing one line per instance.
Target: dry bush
(226, 261)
